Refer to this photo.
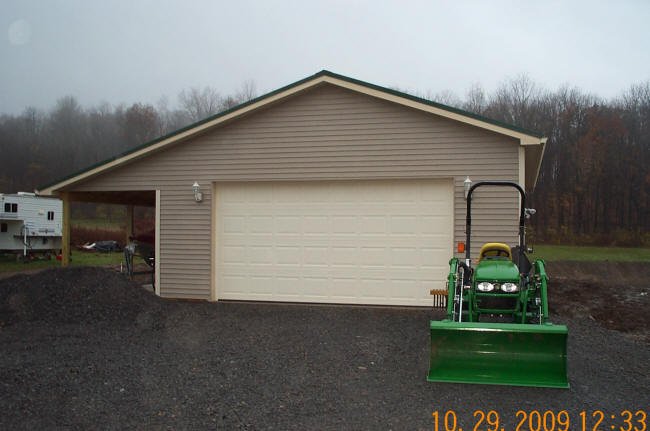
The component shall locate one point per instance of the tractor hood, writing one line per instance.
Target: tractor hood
(496, 270)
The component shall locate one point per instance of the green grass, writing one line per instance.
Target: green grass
(591, 254)
(79, 258)
(546, 252)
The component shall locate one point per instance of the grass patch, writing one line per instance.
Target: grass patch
(591, 254)
(79, 258)
(546, 252)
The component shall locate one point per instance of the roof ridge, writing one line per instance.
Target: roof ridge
(319, 74)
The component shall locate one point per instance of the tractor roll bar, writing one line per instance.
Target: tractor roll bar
(522, 215)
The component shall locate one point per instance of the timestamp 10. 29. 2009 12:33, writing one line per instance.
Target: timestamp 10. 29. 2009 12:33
(534, 420)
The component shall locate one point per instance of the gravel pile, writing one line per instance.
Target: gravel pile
(86, 349)
(74, 295)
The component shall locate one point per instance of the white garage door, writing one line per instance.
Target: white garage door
(353, 242)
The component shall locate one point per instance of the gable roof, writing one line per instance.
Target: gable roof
(526, 137)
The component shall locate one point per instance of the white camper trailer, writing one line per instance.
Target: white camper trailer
(29, 223)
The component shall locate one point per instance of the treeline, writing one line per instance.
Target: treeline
(38, 147)
(593, 186)
(594, 182)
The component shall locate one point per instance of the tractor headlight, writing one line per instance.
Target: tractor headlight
(485, 286)
(509, 287)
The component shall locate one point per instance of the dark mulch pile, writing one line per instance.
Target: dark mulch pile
(83, 348)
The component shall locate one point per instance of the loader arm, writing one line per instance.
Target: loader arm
(451, 286)
(542, 279)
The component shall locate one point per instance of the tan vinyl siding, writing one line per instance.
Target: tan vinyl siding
(325, 133)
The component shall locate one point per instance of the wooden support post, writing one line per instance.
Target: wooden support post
(129, 224)
(65, 239)
(157, 246)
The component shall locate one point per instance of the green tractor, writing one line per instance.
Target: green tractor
(496, 330)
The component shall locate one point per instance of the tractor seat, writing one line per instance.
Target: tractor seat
(493, 250)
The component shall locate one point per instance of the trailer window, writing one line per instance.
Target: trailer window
(50, 215)
(3, 227)
(11, 208)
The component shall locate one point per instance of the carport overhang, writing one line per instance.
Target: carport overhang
(128, 198)
(146, 198)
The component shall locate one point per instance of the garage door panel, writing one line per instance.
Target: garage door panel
(234, 224)
(339, 290)
(374, 288)
(315, 287)
(335, 257)
(288, 286)
(287, 224)
(316, 255)
(428, 224)
(262, 225)
(332, 271)
(405, 290)
(358, 242)
(233, 254)
(261, 255)
(373, 224)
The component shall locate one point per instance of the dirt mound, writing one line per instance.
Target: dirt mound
(73, 295)
(615, 294)
(607, 273)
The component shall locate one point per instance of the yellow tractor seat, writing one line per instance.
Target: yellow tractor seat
(494, 249)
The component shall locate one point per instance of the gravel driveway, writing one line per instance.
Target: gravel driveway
(86, 356)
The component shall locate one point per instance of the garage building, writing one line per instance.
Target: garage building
(328, 190)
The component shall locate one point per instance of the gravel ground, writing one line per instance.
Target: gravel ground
(83, 348)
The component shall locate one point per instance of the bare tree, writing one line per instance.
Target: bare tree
(247, 91)
(104, 133)
(66, 135)
(200, 104)
(514, 101)
(447, 97)
(170, 120)
(475, 99)
(229, 102)
(140, 125)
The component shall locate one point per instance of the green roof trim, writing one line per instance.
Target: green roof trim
(288, 87)
(434, 104)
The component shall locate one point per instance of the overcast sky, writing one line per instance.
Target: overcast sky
(139, 50)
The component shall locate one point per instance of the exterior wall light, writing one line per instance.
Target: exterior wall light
(467, 184)
(198, 196)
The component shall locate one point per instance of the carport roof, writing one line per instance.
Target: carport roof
(526, 137)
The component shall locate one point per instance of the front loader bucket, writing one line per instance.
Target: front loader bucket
(499, 354)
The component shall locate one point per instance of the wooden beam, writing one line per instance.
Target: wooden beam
(65, 239)
(140, 198)
(157, 246)
(129, 224)
(213, 244)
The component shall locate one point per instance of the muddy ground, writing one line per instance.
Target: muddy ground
(614, 294)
